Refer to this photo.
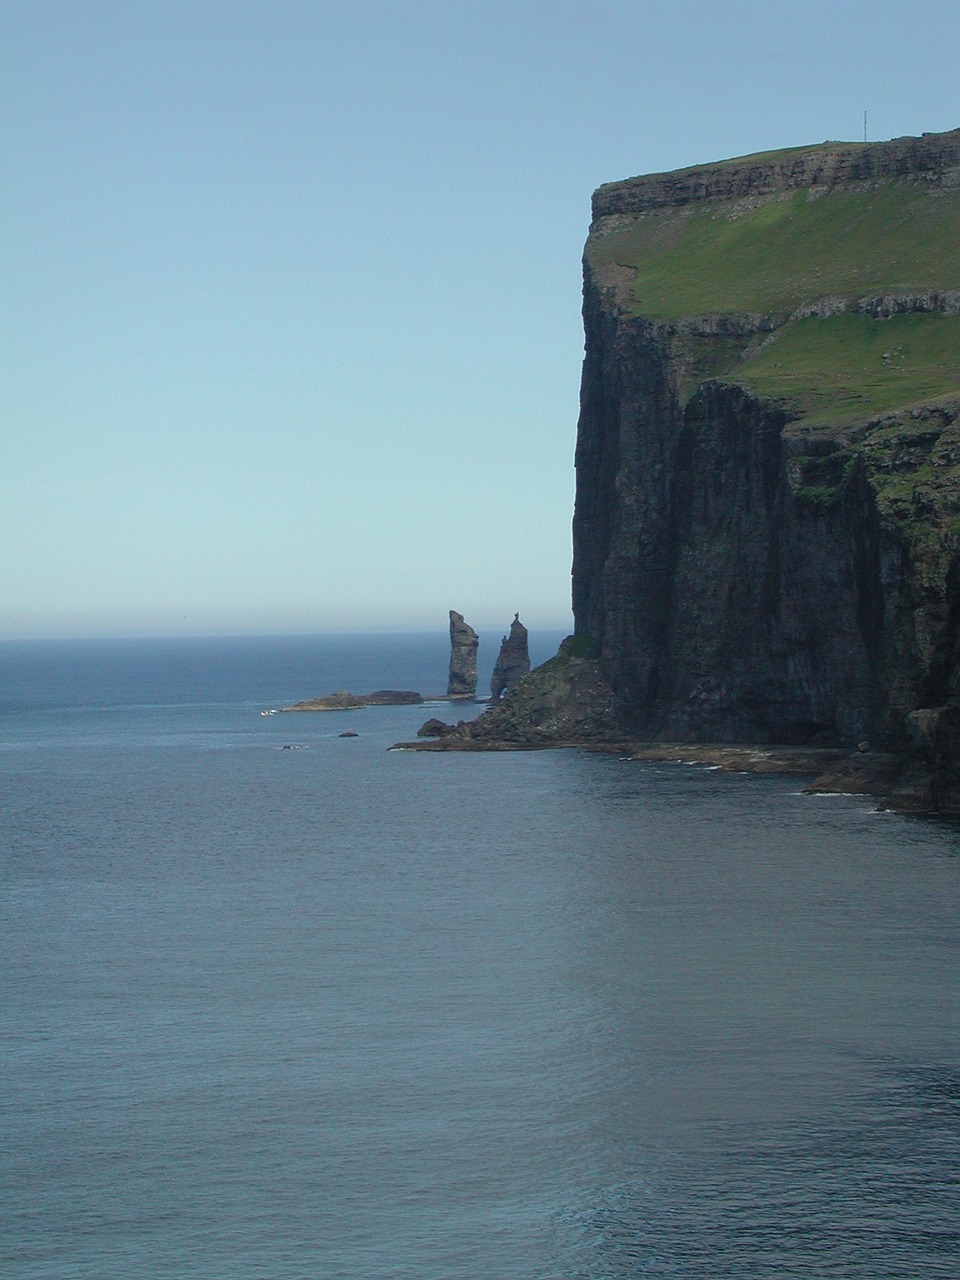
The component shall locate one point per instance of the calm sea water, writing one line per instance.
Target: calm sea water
(342, 1012)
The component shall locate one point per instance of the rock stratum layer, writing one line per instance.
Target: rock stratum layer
(767, 524)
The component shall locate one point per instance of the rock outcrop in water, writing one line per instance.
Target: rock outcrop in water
(462, 681)
(513, 661)
(344, 701)
(767, 524)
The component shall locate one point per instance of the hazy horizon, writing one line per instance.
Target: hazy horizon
(292, 336)
(485, 629)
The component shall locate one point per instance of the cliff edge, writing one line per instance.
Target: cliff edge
(767, 523)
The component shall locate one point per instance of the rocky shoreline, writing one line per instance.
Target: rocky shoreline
(891, 778)
(567, 703)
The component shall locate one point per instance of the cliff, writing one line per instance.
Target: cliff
(767, 523)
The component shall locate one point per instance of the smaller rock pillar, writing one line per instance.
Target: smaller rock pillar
(514, 660)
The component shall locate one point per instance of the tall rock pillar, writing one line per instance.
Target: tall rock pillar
(462, 682)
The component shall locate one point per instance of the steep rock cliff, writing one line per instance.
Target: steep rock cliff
(767, 524)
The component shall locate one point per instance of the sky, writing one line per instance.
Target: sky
(290, 334)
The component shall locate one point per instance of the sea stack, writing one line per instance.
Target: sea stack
(462, 682)
(514, 660)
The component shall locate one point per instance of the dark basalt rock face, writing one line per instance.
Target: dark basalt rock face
(747, 578)
(462, 682)
(513, 661)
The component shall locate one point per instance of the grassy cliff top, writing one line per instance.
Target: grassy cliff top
(778, 252)
(780, 233)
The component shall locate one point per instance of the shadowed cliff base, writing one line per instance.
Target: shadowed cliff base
(567, 703)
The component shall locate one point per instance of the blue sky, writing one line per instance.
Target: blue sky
(291, 329)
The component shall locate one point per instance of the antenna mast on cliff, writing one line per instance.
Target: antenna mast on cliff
(864, 126)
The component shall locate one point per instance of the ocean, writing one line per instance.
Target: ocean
(283, 1005)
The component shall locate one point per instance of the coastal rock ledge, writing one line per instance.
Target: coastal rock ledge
(564, 702)
(567, 702)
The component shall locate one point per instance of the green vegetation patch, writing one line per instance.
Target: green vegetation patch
(821, 481)
(853, 366)
(577, 646)
(581, 645)
(913, 464)
(788, 249)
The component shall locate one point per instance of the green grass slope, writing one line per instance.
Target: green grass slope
(789, 249)
(774, 254)
(852, 366)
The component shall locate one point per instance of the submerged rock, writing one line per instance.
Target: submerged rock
(462, 682)
(513, 662)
